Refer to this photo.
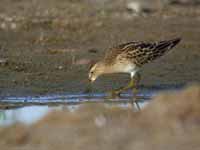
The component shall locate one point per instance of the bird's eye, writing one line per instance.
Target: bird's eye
(92, 72)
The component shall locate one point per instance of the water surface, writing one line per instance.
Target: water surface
(29, 109)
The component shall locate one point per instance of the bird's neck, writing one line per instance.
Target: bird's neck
(106, 68)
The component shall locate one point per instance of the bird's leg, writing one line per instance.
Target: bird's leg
(88, 88)
(131, 85)
(135, 90)
(137, 79)
(117, 92)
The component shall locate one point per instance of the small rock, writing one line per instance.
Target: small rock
(134, 6)
(3, 61)
(93, 50)
(3, 25)
(13, 26)
(19, 68)
(82, 62)
(100, 121)
(183, 2)
(57, 51)
(14, 81)
(99, 24)
(144, 6)
(9, 19)
(60, 67)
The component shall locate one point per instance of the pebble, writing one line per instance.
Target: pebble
(183, 2)
(60, 67)
(100, 121)
(3, 61)
(3, 25)
(134, 6)
(145, 6)
(82, 62)
(93, 50)
(13, 26)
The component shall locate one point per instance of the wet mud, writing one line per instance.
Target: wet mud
(47, 46)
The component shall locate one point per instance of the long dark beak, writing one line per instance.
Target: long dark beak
(90, 80)
(89, 86)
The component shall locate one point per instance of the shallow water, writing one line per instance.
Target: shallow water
(29, 109)
(68, 98)
(31, 114)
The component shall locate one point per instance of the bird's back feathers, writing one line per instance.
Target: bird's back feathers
(139, 52)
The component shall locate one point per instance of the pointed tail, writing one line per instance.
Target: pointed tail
(167, 45)
(174, 42)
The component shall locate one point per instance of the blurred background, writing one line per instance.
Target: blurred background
(47, 45)
(46, 48)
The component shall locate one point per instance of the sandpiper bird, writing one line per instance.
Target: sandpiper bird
(129, 58)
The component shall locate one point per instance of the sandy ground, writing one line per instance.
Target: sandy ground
(171, 121)
(46, 46)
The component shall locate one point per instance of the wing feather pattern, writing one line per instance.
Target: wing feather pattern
(140, 52)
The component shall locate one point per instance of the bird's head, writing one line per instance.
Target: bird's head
(96, 70)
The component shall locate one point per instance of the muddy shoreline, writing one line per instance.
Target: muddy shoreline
(47, 46)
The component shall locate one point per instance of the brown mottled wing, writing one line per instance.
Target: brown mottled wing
(142, 52)
(114, 52)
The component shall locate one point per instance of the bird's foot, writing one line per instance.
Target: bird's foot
(135, 92)
(88, 88)
(134, 99)
(114, 94)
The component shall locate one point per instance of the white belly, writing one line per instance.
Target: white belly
(126, 68)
